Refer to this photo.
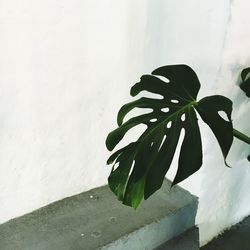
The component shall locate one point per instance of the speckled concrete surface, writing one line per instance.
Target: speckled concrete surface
(95, 219)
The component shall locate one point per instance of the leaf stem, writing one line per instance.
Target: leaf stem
(241, 136)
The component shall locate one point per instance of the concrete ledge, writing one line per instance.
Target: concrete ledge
(96, 220)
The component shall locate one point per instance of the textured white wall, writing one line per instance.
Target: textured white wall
(224, 196)
(67, 66)
(213, 38)
(64, 71)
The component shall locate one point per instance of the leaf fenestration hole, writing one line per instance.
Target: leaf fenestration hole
(247, 76)
(174, 101)
(169, 124)
(183, 117)
(136, 112)
(133, 163)
(131, 169)
(153, 120)
(145, 93)
(134, 134)
(163, 139)
(223, 115)
(162, 78)
(116, 165)
(165, 110)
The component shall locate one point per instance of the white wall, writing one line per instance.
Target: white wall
(224, 196)
(64, 71)
(67, 66)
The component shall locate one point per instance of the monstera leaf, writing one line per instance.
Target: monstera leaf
(245, 85)
(140, 167)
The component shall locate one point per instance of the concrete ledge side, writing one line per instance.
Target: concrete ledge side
(96, 220)
(157, 233)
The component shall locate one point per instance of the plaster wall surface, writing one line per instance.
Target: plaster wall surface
(67, 66)
(224, 196)
(64, 71)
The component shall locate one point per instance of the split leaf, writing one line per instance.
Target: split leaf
(140, 167)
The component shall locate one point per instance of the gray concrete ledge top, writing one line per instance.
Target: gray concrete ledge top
(89, 220)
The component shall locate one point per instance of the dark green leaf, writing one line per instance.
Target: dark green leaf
(245, 85)
(208, 109)
(152, 154)
(190, 158)
(142, 165)
(244, 74)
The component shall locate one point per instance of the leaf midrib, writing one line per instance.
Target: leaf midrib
(169, 118)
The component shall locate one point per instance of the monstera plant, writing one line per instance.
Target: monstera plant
(140, 167)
